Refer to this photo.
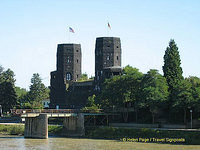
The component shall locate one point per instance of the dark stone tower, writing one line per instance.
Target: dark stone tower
(69, 61)
(68, 71)
(107, 59)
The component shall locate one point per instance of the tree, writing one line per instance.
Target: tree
(8, 76)
(172, 68)
(21, 96)
(154, 91)
(184, 99)
(120, 91)
(195, 88)
(91, 104)
(84, 77)
(133, 77)
(8, 97)
(38, 91)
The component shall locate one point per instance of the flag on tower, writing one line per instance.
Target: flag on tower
(71, 30)
(109, 25)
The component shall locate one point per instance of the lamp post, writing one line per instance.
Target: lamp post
(191, 118)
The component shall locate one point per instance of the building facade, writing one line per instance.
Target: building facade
(107, 59)
(66, 90)
(68, 71)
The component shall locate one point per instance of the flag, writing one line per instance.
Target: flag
(109, 25)
(71, 30)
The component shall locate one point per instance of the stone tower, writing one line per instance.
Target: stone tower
(69, 61)
(107, 59)
(68, 71)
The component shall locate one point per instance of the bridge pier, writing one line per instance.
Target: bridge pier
(74, 125)
(36, 127)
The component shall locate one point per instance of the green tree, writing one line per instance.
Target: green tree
(37, 92)
(91, 104)
(84, 77)
(21, 96)
(8, 76)
(8, 97)
(172, 68)
(154, 92)
(195, 87)
(121, 91)
(184, 99)
(132, 78)
(1, 75)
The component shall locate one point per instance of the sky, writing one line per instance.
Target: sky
(31, 29)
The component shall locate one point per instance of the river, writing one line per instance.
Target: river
(55, 143)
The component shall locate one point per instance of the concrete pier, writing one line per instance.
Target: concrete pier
(74, 126)
(36, 127)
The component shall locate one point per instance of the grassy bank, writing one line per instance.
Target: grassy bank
(125, 134)
(18, 129)
(160, 136)
(12, 129)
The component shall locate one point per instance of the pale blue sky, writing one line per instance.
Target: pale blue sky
(31, 29)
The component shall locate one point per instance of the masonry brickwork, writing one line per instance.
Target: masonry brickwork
(66, 91)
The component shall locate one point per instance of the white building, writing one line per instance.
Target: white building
(45, 103)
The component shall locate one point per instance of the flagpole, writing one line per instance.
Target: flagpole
(109, 28)
(69, 37)
(107, 32)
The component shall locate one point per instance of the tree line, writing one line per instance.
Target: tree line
(169, 96)
(12, 96)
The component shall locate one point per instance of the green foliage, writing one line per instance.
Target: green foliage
(184, 95)
(84, 77)
(55, 129)
(195, 89)
(91, 101)
(119, 133)
(154, 89)
(37, 92)
(172, 67)
(91, 105)
(8, 97)
(121, 89)
(21, 96)
(184, 99)
(12, 129)
(19, 129)
(154, 92)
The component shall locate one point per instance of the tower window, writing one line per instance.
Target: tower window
(76, 50)
(68, 76)
(117, 46)
(68, 60)
(117, 57)
(108, 57)
(77, 76)
(77, 60)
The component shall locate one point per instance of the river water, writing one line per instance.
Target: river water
(55, 143)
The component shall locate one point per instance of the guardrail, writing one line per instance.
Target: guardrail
(18, 112)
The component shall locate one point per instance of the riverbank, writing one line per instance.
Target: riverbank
(146, 135)
(121, 134)
(18, 129)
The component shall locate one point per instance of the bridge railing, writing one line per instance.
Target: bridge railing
(24, 111)
(18, 112)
